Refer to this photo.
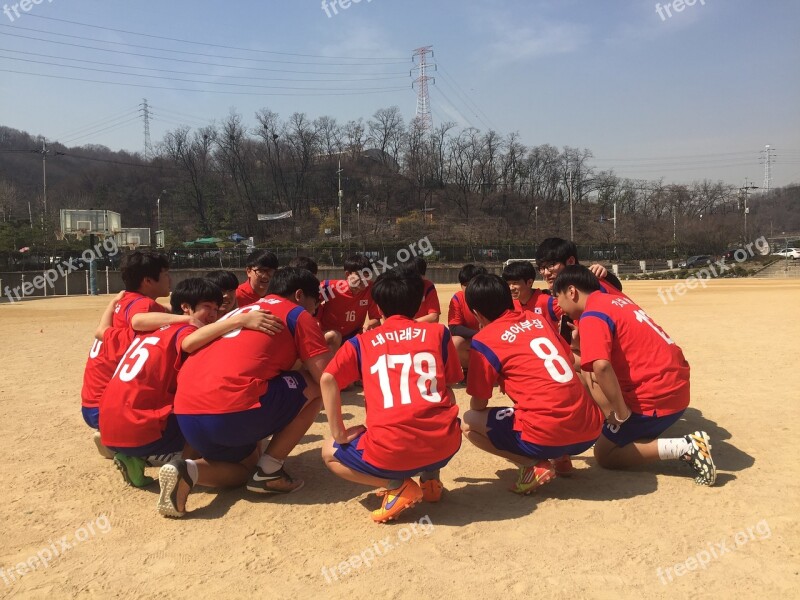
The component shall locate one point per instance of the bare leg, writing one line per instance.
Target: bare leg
(611, 456)
(347, 473)
(462, 347)
(284, 441)
(215, 473)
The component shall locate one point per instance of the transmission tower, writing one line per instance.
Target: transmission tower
(145, 110)
(769, 154)
(421, 83)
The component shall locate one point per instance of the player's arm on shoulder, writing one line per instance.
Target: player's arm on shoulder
(256, 320)
(598, 270)
(372, 324)
(108, 316)
(150, 321)
(607, 380)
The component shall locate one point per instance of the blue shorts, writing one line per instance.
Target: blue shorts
(171, 440)
(350, 456)
(639, 427)
(91, 416)
(232, 437)
(503, 437)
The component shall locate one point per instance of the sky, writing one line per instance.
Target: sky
(673, 90)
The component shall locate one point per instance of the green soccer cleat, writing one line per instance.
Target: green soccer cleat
(132, 469)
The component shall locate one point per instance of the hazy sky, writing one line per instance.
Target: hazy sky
(686, 95)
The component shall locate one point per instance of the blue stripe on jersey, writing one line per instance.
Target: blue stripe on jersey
(455, 297)
(357, 346)
(550, 301)
(445, 341)
(128, 309)
(602, 317)
(428, 291)
(487, 353)
(291, 318)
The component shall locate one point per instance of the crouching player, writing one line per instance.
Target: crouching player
(136, 418)
(412, 422)
(240, 389)
(640, 370)
(553, 416)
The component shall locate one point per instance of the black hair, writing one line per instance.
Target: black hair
(519, 270)
(421, 264)
(399, 292)
(262, 259)
(578, 276)
(287, 280)
(469, 271)
(226, 280)
(489, 295)
(556, 250)
(193, 291)
(137, 265)
(304, 262)
(356, 263)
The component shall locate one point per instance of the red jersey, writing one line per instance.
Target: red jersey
(652, 371)
(133, 303)
(459, 312)
(232, 373)
(245, 294)
(103, 359)
(406, 367)
(533, 365)
(342, 310)
(138, 400)
(430, 303)
(540, 303)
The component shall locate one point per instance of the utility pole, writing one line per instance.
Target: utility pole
(146, 114)
(768, 154)
(423, 113)
(746, 189)
(341, 195)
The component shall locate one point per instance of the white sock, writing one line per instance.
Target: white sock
(269, 464)
(673, 448)
(191, 468)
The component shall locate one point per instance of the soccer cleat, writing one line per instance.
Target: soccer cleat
(132, 469)
(159, 460)
(563, 466)
(279, 482)
(533, 477)
(169, 476)
(431, 490)
(397, 500)
(104, 452)
(699, 457)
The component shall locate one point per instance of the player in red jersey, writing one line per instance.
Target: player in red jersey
(146, 278)
(136, 407)
(345, 302)
(228, 283)
(429, 309)
(520, 276)
(641, 371)
(553, 416)
(412, 419)
(239, 390)
(463, 324)
(261, 265)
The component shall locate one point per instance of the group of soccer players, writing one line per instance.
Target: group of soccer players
(220, 386)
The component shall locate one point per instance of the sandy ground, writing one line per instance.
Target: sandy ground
(600, 534)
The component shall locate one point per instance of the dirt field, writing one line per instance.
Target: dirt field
(600, 534)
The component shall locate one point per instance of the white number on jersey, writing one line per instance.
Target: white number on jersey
(238, 311)
(95, 351)
(136, 354)
(642, 317)
(544, 349)
(424, 365)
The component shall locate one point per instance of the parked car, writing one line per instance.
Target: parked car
(695, 261)
(792, 253)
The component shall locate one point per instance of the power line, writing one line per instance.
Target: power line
(395, 58)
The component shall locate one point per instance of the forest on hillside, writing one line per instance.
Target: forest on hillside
(398, 181)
